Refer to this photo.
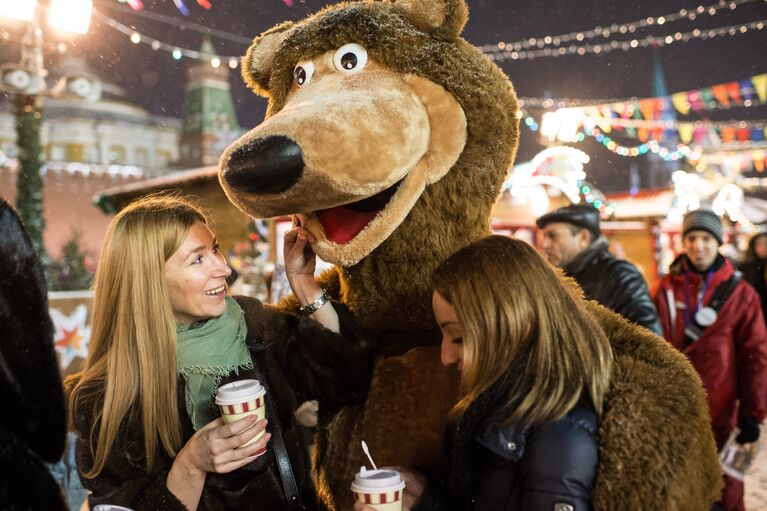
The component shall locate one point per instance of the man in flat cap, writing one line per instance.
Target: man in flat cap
(572, 241)
(714, 317)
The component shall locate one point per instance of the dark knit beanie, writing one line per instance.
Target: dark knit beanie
(703, 220)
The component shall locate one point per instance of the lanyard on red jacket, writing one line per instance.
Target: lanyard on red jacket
(688, 316)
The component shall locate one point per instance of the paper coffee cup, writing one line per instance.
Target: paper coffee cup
(379, 489)
(240, 399)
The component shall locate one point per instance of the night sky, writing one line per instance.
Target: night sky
(156, 81)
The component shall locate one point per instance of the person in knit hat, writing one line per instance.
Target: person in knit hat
(715, 318)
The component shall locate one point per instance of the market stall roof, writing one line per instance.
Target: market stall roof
(643, 204)
(111, 200)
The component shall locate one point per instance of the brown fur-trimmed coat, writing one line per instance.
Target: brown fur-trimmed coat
(417, 144)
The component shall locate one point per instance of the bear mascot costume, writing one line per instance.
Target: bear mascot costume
(392, 135)
(33, 427)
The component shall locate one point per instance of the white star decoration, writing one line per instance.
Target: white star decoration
(72, 335)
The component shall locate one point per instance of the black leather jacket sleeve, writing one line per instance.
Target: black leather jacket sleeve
(630, 296)
(618, 285)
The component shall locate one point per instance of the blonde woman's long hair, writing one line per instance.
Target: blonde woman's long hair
(130, 370)
(515, 309)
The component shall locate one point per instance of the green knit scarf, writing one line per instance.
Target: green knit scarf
(206, 351)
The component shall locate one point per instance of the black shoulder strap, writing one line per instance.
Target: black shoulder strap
(289, 485)
(694, 331)
(292, 495)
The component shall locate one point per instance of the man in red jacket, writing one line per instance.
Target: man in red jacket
(715, 318)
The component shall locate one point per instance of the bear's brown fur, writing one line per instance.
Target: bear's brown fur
(438, 158)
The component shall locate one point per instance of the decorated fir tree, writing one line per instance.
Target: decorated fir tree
(70, 273)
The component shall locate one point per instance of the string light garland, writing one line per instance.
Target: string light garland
(499, 52)
(176, 52)
(186, 25)
(652, 146)
(181, 6)
(548, 103)
(640, 116)
(650, 40)
(671, 124)
(607, 31)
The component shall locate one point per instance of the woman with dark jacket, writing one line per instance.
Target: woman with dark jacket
(535, 367)
(754, 267)
(165, 336)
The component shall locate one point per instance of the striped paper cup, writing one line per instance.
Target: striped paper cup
(379, 489)
(240, 399)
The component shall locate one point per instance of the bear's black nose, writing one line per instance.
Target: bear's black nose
(265, 165)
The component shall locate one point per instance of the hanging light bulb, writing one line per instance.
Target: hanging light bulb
(23, 10)
(70, 15)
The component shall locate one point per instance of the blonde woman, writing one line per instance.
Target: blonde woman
(165, 335)
(535, 367)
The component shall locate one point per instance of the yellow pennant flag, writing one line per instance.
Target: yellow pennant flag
(760, 85)
(680, 102)
(604, 124)
(686, 131)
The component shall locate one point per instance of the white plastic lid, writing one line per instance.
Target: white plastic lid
(377, 480)
(110, 507)
(240, 391)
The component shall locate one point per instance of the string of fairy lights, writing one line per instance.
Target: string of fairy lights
(605, 32)
(652, 146)
(525, 49)
(626, 28)
(177, 52)
(549, 103)
(644, 42)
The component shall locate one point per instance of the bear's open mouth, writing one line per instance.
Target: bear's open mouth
(342, 223)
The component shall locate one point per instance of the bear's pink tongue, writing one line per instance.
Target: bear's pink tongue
(342, 224)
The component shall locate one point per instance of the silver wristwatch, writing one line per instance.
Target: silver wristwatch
(308, 310)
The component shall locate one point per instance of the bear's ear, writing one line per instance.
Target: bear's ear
(442, 18)
(257, 62)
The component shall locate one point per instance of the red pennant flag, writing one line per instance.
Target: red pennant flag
(744, 134)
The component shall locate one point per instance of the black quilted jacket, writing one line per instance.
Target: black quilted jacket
(494, 466)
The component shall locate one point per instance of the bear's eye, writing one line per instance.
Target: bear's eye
(350, 58)
(303, 72)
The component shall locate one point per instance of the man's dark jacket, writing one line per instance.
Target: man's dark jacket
(614, 283)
